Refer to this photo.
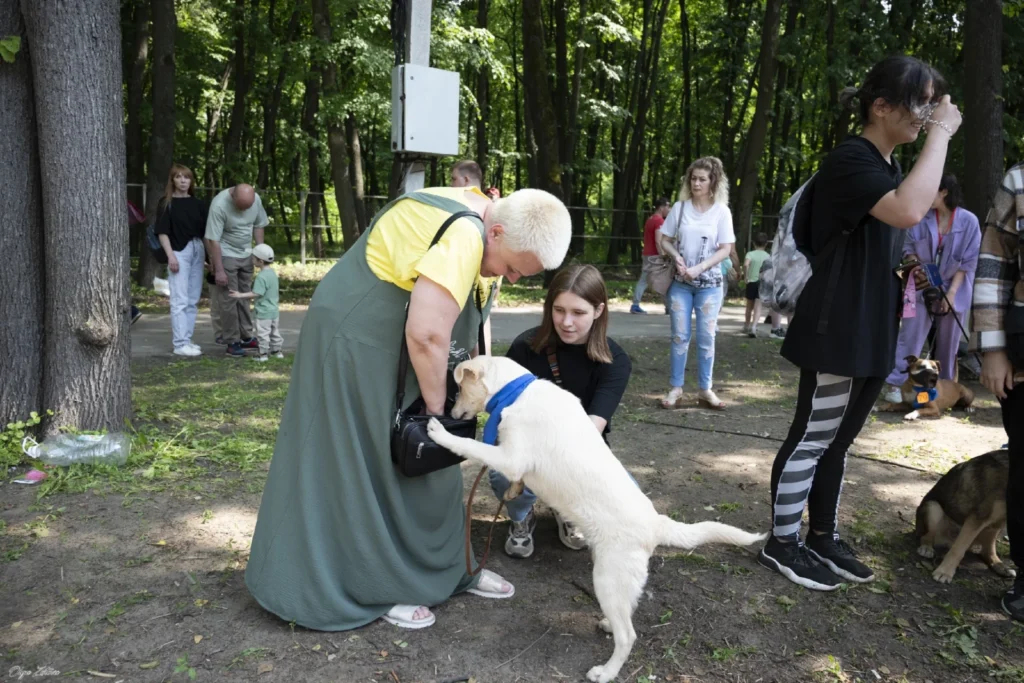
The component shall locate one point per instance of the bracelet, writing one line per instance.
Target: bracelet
(941, 124)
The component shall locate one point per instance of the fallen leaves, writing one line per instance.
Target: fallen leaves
(197, 639)
(150, 665)
(264, 668)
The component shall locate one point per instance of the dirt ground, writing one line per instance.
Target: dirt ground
(136, 582)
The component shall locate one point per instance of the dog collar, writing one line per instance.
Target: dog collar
(505, 397)
(923, 397)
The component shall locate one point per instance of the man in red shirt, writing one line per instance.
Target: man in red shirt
(652, 247)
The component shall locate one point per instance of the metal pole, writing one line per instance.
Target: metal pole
(302, 227)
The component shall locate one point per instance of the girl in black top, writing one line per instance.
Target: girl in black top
(859, 192)
(571, 348)
(180, 226)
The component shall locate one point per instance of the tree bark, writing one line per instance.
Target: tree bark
(161, 135)
(983, 108)
(233, 161)
(684, 30)
(355, 149)
(74, 47)
(139, 55)
(310, 109)
(21, 233)
(539, 104)
(754, 145)
(213, 121)
(483, 97)
(336, 143)
(271, 109)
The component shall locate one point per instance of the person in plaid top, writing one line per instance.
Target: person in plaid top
(998, 287)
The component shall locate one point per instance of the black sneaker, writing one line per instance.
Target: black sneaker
(250, 343)
(778, 334)
(837, 555)
(235, 349)
(1013, 601)
(794, 562)
(136, 314)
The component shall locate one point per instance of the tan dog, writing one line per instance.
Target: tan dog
(548, 441)
(925, 395)
(972, 495)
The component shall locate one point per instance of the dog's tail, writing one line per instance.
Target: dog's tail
(679, 535)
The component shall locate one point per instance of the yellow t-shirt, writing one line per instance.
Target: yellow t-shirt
(396, 249)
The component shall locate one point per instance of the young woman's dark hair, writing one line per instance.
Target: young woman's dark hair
(586, 282)
(898, 80)
(954, 195)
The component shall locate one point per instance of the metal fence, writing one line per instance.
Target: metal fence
(290, 211)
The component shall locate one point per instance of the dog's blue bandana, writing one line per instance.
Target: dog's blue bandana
(923, 397)
(505, 397)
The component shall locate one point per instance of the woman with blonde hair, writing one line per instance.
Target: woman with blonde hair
(698, 234)
(180, 225)
(570, 348)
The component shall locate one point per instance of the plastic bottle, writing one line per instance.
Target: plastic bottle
(68, 449)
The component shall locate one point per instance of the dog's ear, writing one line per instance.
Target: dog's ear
(910, 360)
(461, 371)
(938, 365)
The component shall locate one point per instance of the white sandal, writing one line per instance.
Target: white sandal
(490, 586)
(404, 616)
(708, 399)
(672, 398)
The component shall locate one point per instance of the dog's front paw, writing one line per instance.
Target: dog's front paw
(437, 432)
(912, 415)
(1003, 571)
(943, 574)
(926, 551)
(599, 675)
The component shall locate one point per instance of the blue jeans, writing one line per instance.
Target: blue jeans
(519, 507)
(684, 301)
(186, 287)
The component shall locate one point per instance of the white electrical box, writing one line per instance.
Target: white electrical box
(424, 110)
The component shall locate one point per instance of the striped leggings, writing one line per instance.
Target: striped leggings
(808, 470)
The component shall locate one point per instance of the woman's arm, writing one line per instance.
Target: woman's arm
(432, 314)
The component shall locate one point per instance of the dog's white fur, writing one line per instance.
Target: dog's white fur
(547, 440)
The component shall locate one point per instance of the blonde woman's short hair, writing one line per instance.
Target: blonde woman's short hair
(535, 221)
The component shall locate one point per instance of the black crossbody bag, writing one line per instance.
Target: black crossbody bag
(413, 452)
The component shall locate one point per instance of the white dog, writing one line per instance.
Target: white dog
(547, 440)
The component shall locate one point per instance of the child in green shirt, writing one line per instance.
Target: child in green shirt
(752, 267)
(265, 292)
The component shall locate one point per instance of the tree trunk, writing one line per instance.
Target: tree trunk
(983, 85)
(135, 151)
(483, 97)
(355, 149)
(516, 99)
(233, 155)
(754, 145)
(336, 142)
(539, 105)
(271, 108)
(74, 47)
(310, 108)
(684, 29)
(161, 136)
(211, 162)
(21, 233)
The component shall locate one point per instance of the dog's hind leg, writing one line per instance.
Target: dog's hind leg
(990, 556)
(930, 522)
(619, 579)
(972, 526)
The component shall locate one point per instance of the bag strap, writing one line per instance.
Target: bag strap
(553, 364)
(403, 357)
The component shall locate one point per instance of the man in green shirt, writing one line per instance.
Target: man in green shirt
(235, 217)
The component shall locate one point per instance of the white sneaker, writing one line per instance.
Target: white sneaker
(261, 359)
(197, 348)
(187, 350)
(277, 355)
(893, 394)
(571, 537)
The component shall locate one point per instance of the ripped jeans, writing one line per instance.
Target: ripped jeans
(685, 300)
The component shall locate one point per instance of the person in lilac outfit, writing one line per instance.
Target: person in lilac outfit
(950, 237)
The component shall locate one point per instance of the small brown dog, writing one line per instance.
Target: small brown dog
(925, 395)
(972, 495)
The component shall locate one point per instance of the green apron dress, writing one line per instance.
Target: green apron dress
(341, 536)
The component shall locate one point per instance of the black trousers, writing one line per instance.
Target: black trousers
(1013, 422)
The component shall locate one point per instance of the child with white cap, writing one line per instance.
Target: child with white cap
(265, 293)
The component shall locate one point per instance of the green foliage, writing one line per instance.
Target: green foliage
(13, 434)
(9, 47)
